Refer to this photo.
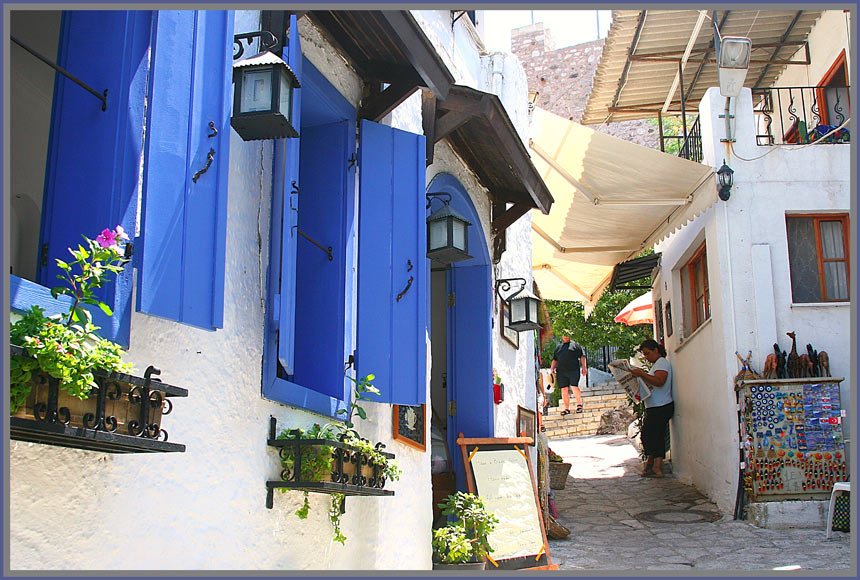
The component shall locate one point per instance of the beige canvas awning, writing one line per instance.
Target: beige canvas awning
(612, 200)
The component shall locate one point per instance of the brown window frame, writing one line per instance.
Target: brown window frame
(698, 292)
(846, 246)
(839, 65)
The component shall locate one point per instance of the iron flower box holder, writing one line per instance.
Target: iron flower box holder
(352, 473)
(121, 415)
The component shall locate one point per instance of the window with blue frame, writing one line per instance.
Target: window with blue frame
(76, 167)
(317, 269)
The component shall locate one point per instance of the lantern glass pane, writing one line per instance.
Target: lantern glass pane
(285, 96)
(518, 310)
(438, 235)
(533, 310)
(257, 90)
(459, 234)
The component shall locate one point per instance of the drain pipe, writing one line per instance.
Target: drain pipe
(739, 498)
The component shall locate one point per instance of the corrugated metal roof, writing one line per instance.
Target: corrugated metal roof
(644, 47)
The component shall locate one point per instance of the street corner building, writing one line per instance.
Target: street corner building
(752, 265)
(284, 178)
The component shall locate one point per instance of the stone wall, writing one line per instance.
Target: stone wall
(563, 80)
(596, 401)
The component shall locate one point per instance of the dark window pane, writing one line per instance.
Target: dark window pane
(803, 260)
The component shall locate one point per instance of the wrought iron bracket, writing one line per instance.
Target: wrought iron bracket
(504, 284)
(268, 41)
(441, 194)
(458, 16)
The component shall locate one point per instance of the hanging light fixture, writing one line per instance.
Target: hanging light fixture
(734, 62)
(447, 232)
(724, 178)
(523, 304)
(263, 98)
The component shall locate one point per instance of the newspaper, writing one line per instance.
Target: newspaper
(634, 387)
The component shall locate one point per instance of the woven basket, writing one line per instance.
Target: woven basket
(558, 474)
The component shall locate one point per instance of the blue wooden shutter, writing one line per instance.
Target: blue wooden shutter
(93, 156)
(290, 173)
(392, 263)
(320, 282)
(184, 223)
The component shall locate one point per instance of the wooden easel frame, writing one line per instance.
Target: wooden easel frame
(468, 445)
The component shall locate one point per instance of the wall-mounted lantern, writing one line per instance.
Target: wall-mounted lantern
(263, 98)
(733, 64)
(447, 232)
(524, 305)
(724, 178)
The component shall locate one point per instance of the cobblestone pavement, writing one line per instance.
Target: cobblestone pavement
(622, 521)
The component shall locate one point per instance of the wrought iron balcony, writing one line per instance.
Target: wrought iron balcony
(797, 115)
(689, 147)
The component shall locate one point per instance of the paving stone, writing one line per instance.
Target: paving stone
(604, 494)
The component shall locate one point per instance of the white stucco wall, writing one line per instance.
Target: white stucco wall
(827, 39)
(503, 75)
(750, 287)
(205, 508)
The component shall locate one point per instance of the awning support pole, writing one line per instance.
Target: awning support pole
(683, 100)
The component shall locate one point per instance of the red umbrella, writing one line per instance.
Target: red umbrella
(639, 311)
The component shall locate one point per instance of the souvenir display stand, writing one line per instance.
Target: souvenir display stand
(791, 435)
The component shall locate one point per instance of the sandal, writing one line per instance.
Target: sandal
(566, 412)
(579, 408)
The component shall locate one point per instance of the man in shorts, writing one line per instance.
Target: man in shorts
(568, 361)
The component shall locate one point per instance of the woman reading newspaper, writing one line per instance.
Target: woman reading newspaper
(659, 406)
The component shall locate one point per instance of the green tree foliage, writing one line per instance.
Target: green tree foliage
(673, 127)
(599, 329)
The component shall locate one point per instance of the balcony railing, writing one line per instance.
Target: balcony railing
(689, 147)
(795, 115)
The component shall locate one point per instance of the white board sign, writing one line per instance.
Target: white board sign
(502, 478)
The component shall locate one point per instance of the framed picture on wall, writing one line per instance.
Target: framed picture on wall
(668, 319)
(512, 336)
(410, 425)
(526, 421)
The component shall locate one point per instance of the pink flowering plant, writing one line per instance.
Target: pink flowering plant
(66, 346)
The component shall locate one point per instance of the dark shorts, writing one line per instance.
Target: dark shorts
(568, 378)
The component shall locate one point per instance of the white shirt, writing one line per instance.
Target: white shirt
(660, 395)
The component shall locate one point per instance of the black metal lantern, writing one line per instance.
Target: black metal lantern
(524, 305)
(447, 233)
(724, 178)
(263, 98)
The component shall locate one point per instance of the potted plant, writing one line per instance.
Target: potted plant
(558, 470)
(63, 373)
(463, 543)
(360, 462)
(66, 347)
